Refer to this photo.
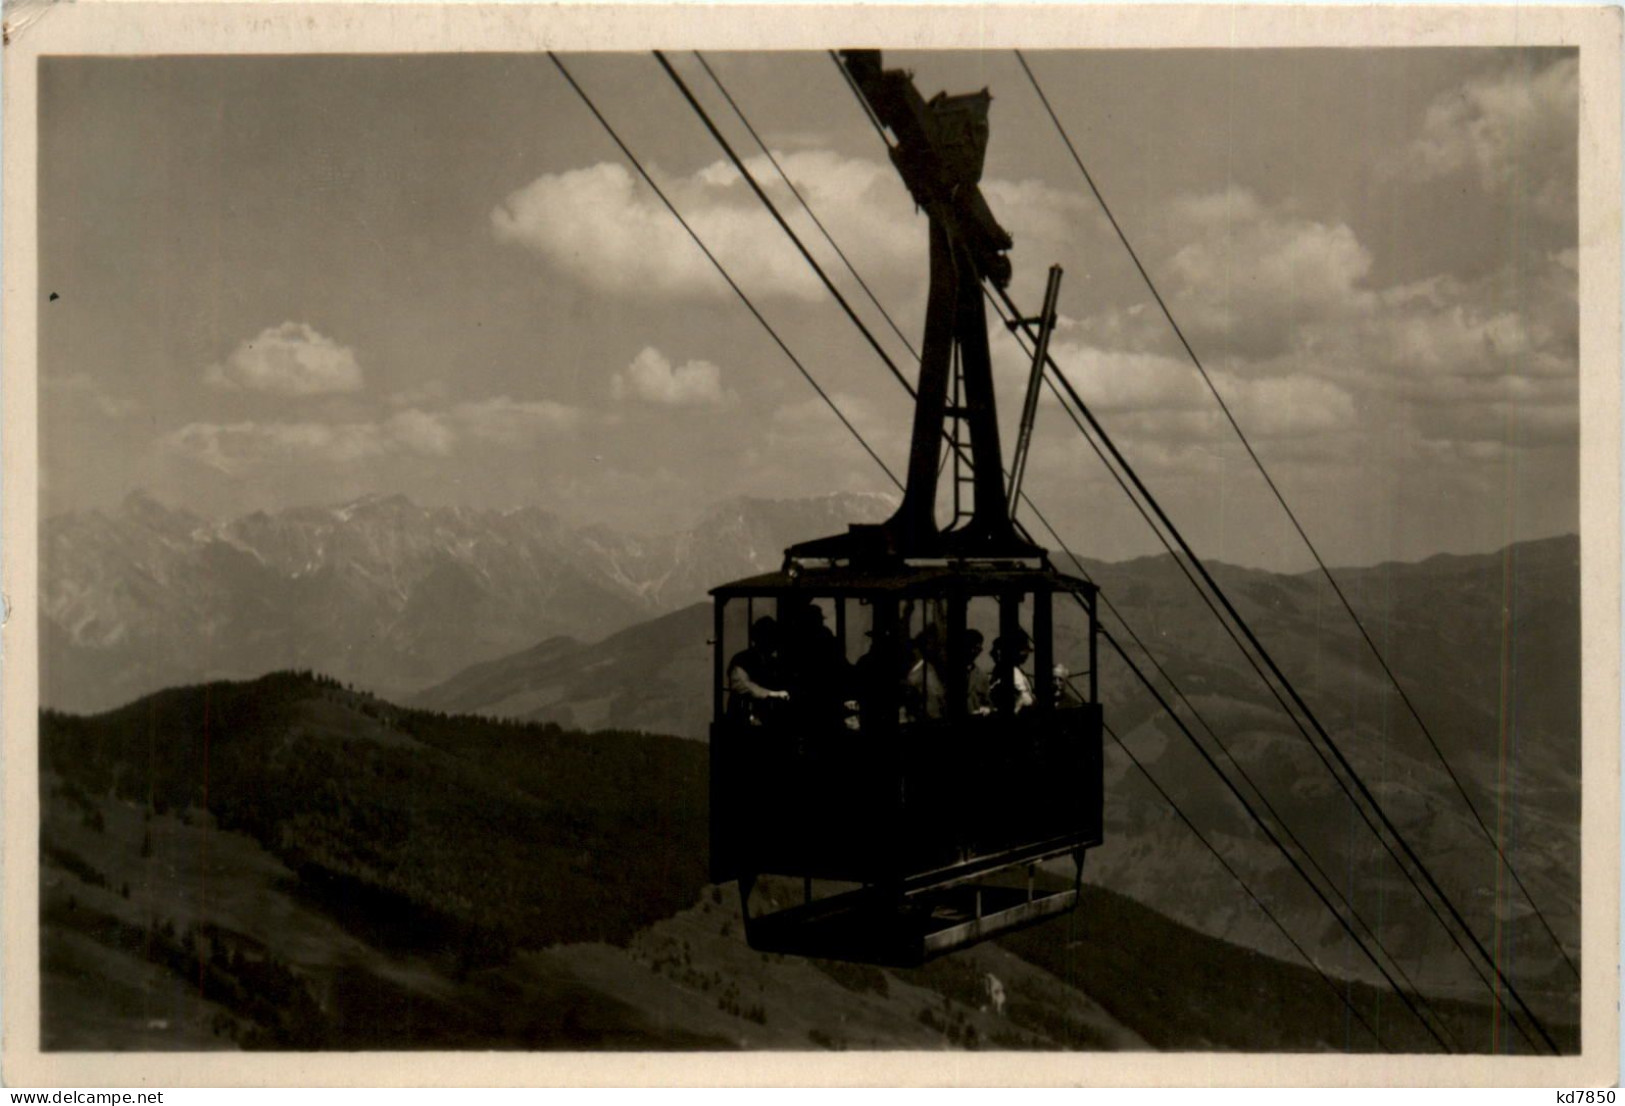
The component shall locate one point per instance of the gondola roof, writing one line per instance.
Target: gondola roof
(905, 579)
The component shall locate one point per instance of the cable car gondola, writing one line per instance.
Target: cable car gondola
(860, 754)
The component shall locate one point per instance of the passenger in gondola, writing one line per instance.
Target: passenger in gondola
(878, 677)
(1012, 693)
(978, 687)
(1065, 694)
(819, 678)
(925, 690)
(757, 688)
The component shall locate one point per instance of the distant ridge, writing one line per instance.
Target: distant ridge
(378, 591)
(652, 676)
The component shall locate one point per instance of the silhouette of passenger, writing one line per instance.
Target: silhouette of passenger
(1065, 694)
(925, 692)
(879, 675)
(756, 684)
(817, 674)
(1012, 693)
(978, 687)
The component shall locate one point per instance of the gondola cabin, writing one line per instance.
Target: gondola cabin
(902, 770)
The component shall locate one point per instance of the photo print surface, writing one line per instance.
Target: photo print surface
(398, 415)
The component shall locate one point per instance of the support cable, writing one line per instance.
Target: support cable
(1291, 691)
(1229, 756)
(1308, 737)
(1450, 906)
(863, 101)
(1168, 709)
(1257, 790)
(772, 208)
(1280, 498)
(805, 206)
(1268, 913)
(647, 179)
(801, 247)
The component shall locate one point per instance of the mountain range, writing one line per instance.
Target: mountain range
(379, 592)
(518, 617)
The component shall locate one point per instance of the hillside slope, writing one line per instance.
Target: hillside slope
(1487, 649)
(652, 676)
(287, 864)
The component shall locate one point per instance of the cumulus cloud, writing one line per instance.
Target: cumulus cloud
(412, 431)
(1453, 364)
(233, 447)
(1458, 338)
(652, 377)
(1035, 212)
(514, 423)
(1513, 128)
(1247, 273)
(1305, 346)
(1161, 397)
(1261, 254)
(290, 360)
(421, 432)
(1288, 406)
(604, 227)
(608, 231)
(1511, 336)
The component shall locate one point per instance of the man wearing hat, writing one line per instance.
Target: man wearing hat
(756, 683)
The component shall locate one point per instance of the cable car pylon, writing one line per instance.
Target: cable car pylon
(879, 794)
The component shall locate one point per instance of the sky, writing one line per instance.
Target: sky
(286, 281)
